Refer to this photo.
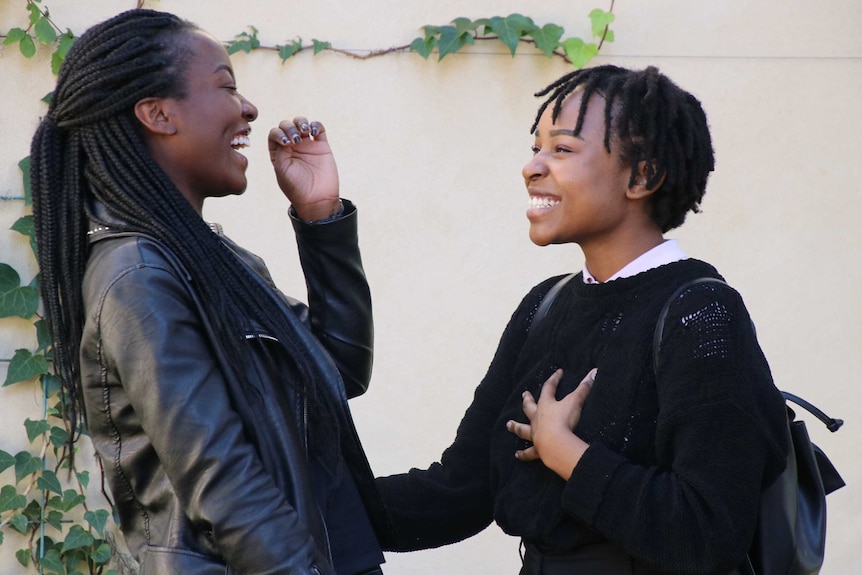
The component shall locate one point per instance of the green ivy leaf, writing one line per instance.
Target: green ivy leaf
(547, 38)
(11, 499)
(599, 20)
(53, 562)
(70, 500)
(464, 25)
(288, 50)
(35, 428)
(55, 519)
(66, 41)
(27, 46)
(24, 165)
(26, 464)
(6, 461)
(579, 52)
(424, 46)
(101, 554)
(431, 31)
(77, 538)
(22, 555)
(45, 31)
(59, 437)
(19, 523)
(523, 24)
(450, 41)
(510, 29)
(43, 336)
(97, 519)
(35, 13)
(244, 42)
(24, 366)
(76, 558)
(50, 384)
(33, 511)
(609, 37)
(49, 482)
(320, 46)
(15, 300)
(25, 226)
(84, 478)
(14, 36)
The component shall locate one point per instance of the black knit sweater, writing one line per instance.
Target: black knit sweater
(677, 456)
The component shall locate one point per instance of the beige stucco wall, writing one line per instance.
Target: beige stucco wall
(431, 152)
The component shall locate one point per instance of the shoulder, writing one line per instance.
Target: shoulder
(542, 295)
(132, 267)
(708, 302)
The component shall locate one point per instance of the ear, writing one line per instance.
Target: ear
(639, 189)
(154, 115)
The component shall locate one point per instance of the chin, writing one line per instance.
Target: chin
(539, 240)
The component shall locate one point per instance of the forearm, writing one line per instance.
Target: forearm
(338, 295)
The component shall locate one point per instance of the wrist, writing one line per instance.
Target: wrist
(320, 211)
(565, 455)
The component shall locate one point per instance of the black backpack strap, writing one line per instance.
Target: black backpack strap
(549, 299)
(831, 423)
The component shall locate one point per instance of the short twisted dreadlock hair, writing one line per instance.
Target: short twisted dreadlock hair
(90, 147)
(652, 120)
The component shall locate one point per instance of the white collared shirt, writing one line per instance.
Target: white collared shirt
(665, 253)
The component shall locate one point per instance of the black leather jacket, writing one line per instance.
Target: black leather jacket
(193, 493)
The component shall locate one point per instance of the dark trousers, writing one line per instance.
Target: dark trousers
(598, 559)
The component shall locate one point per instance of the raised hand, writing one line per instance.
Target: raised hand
(305, 167)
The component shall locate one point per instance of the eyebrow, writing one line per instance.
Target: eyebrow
(562, 132)
(221, 67)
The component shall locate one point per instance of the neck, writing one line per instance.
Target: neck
(604, 259)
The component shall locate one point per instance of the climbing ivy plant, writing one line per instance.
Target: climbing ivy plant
(46, 501)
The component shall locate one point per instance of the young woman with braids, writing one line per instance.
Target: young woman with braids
(217, 405)
(600, 461)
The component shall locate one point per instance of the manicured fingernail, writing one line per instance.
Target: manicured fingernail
(297, 139)
(284, 140)
(303, 127)
(314, 130)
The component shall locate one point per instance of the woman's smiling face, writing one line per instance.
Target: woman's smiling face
(206, 127)
(577, 188)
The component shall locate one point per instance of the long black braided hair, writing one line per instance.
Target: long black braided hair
(89, 147)
(651, 119)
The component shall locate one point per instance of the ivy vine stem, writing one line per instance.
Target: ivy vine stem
(607, 27)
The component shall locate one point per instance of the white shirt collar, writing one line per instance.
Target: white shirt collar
(666, 252)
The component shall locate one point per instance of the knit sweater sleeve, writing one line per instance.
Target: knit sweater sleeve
(719, 439)
(453, 499)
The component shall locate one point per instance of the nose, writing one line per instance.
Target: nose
(535, 168)
(249, 110)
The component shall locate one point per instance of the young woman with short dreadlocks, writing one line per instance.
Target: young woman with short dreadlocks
(216, 405)
(601, 462)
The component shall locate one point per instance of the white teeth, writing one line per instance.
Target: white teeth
(240, 142)
(543, 202)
